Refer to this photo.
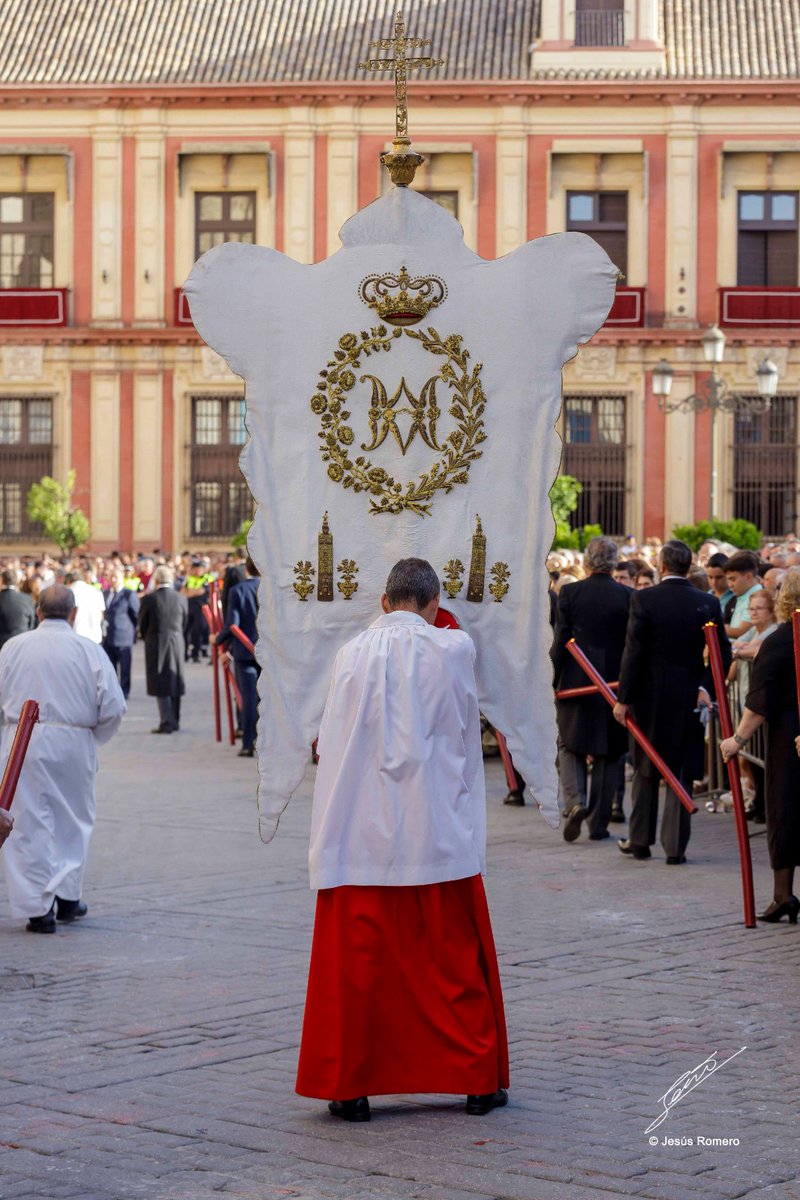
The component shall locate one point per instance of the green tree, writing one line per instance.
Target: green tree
(240, 537)
(741, 534)
(564, 500)
(49, 503)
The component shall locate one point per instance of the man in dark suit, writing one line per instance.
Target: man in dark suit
(242, 610)
(664, 680)
(122, 614)
(235, 572)
(163, 620)
(17, 611)
(595, 613)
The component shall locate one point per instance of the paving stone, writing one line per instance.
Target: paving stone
(149, 1052)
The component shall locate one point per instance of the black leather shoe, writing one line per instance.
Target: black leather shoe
(350, 1110)
(574, 819)
(628, 847)
(162, 729)
(477, 1106)
(45, 924)
(70, 910)
(776, 912)
(246, 753)
(617, 815)
(598, 835)
(515, 799)
(675, 860)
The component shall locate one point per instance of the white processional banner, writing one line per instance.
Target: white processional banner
(402, 398)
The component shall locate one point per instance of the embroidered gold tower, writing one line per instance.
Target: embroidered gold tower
(477, 566)
(325, 562)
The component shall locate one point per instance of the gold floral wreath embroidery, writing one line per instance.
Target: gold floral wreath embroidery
(461, 447)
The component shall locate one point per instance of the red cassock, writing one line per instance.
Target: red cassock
(403, 994)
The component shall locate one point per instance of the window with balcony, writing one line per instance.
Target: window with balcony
(220, 498)
(596, 453)
(224, 217)
(603, 215)
(767, 239)
(765, 467)
(26, 454)
(26, 239)
(600, 23)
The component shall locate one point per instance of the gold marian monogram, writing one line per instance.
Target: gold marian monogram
(383, 414)
(456, 453)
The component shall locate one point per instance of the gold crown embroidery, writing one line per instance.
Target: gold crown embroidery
(401, 300)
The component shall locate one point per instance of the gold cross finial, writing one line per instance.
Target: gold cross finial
(402, 162)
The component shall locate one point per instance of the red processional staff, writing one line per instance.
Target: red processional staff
(213, 615)
(655, 758)
(734, 776)
(19, 748)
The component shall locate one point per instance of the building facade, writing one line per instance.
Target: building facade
(135, 134)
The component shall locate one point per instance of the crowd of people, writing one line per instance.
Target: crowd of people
(639, 616)
(637, 612)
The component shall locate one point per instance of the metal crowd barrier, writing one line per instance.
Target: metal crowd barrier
(754, 752)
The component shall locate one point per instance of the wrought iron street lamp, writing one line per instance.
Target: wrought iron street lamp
(713, 395)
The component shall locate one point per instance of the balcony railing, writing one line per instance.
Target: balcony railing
(33, 306)
(627, 311)
(182, 314)
(773, 308)
(595, 27)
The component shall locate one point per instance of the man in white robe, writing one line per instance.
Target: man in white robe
(404, 993)
(80, 706)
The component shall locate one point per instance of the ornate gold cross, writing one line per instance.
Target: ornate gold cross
(401, 163)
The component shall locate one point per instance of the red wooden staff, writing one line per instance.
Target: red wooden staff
(670, 778)
(215, 664)
(734, 776)
(28, 717)
(244, 639)
(574, 693)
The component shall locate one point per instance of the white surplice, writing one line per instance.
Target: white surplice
(91, 610)
(80, 705)
(400, 796)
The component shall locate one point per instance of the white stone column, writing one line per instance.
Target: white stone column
(107, 224)
(104, 456)
(511, 182)
(299, 186)
(342, 199)
(150, 232)
(679, 456)
(680, 300)
(147, 397)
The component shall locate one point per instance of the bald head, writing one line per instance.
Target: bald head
(56, 603)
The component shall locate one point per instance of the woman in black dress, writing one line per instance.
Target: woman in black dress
(773, 698)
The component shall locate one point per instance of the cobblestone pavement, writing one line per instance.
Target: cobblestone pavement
(150, 1050)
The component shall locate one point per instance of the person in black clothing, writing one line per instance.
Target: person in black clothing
(122, 615)
(663, 678)
(773, 697)
(17, 611)
(235, 572)
(595, 613)
(163, 620)
(243, 612)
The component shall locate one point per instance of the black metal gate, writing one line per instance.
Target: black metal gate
(765, 467)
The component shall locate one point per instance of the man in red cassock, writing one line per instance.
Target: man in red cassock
(404, 992)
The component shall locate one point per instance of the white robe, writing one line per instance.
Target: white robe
(400, 796)
(91, 610)
(80, 705)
